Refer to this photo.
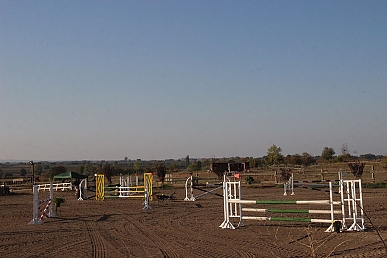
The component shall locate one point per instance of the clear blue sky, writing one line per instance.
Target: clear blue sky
(165, 79)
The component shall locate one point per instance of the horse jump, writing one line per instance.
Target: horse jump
(291, 183)
(144, 191)
(349, 216)
(38, 213)
(192, 197)
(136, 191)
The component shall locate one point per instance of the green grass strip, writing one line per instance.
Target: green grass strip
(291, 219)
(287, 211)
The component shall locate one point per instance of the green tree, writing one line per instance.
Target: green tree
(172, 167)
(384, 162)
(56, 170)
(295, 159)
(7, 175)
(256, 162)
(369, 156)
(23, 172)
(38, 169)
(192, 167)
(206, 164)
(81, 169)
(137, 166)
(187, 161)
(327, 154)
(107, 170)
(89, 170)
(307, 159)
(199, 165)
(344, 157)
(274, 156)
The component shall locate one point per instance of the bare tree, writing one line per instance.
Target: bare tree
(286, 174)
(357, 168)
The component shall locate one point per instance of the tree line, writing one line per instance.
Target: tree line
(273, 156)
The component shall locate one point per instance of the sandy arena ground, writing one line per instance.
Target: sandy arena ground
(121, 228)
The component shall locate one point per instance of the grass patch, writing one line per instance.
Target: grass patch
(375, 185)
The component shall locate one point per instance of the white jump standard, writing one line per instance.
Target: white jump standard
(289, 186)
(82, 188)
(39, 214)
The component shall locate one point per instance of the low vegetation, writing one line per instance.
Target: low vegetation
(274, 160)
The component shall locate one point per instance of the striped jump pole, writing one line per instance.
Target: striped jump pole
(208, 192)
(291, 211)
(282, 202)
(309, 220)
